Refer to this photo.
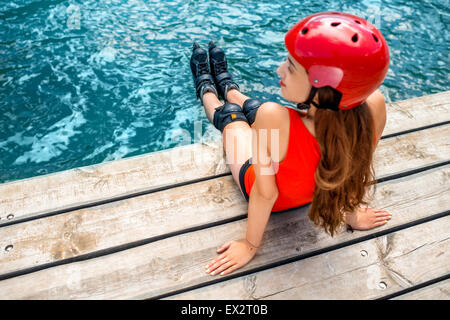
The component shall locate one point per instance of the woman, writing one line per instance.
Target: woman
(335, 64)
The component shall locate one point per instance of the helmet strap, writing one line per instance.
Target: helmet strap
(307, 104)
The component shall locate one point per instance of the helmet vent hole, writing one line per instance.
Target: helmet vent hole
(375, 37)
(305, 30)
(335, 24)
(355, 37)
(358, 22)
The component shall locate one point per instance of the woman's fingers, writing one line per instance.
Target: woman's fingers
(383, 212)
(219, 260)
(379, 223)
(224, 247)
(383, 215)
(223, 267)
(230, 269)
(368, 218)
(213, 264)
(382, 221)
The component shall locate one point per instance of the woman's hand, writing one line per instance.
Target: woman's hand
(235, 254)
(367, 218)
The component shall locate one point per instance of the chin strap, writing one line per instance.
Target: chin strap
(307, 104)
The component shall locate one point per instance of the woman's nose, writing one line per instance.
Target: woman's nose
(279, 70)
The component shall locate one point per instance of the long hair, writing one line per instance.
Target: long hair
(345, 171)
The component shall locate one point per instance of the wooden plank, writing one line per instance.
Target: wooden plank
(175, 263)
(367, 270)
(77, 232)
(86, 185)
(405, 152)
(417, 112)
(436, 291)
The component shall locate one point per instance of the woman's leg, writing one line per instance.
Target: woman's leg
(236, 136)
(210, 103)
(235, 96)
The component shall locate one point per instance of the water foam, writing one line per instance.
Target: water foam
(55, 142)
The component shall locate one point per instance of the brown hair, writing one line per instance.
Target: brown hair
(345, 171)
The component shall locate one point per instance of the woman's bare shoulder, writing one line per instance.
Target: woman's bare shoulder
(377, 106)
(271, 114)
(376, 99)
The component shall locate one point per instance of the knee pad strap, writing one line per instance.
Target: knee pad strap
(227, 113)
(250, 107)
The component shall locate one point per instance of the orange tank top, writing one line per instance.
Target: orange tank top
(295, 175)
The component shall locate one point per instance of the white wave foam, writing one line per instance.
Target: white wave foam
(107, 54)
(18, 139)
(26, 78)
(55, 142)
(119, 153)
(98, 150)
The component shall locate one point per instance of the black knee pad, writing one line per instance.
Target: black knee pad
(227, 113)
(250, 107)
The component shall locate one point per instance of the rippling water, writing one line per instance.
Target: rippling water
(83, 82)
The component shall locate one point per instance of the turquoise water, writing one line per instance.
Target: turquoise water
(84, 82)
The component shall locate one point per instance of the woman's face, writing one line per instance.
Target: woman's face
(294, 82)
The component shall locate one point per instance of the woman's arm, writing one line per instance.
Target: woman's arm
(377, 106)
(236, 254)
(259, 209)
(264, 192)
(263, 195)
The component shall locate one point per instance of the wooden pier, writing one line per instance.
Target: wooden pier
(144, 227)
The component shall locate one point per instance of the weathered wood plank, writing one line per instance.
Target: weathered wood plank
(77, 232)
(417, 112)
(413, 150)
(437, 291)
(177, 262)
(367, 270)
(87, 185)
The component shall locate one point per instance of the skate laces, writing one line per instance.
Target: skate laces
(220, 67)
(202, 63)
(203, 68)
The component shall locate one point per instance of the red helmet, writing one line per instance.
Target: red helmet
(342, 51)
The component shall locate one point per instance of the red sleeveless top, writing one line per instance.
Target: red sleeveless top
(295, 175)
